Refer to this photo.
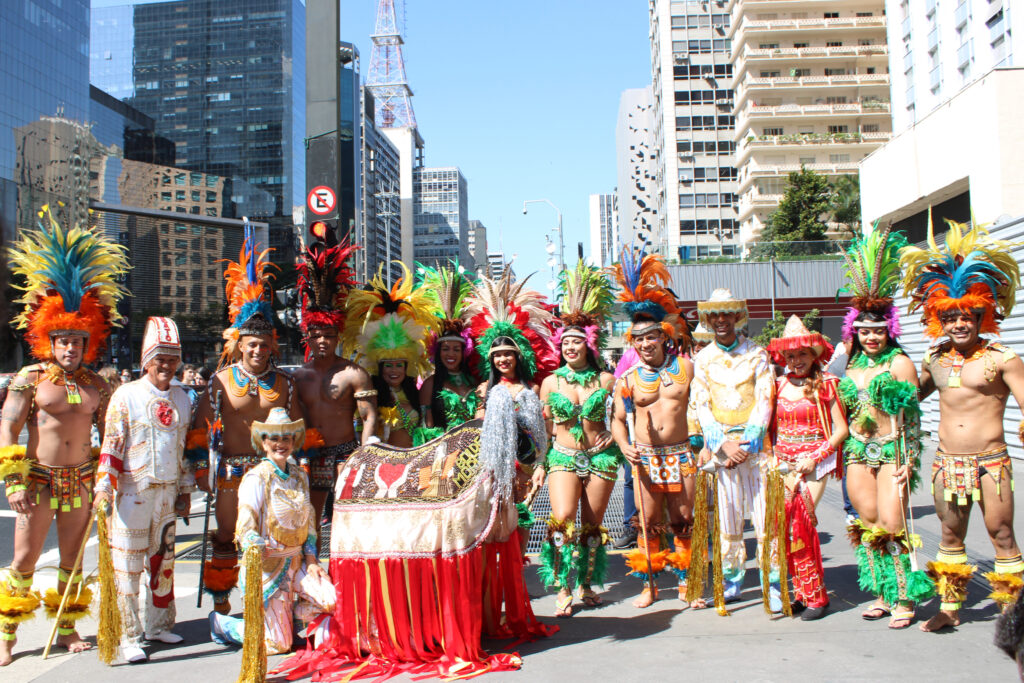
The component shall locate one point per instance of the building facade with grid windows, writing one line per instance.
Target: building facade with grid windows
(440, 216)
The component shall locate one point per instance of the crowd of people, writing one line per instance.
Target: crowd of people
(497, 392)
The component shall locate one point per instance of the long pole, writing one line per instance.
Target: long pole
(67, 586)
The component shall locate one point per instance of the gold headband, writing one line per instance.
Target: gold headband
(504, 347)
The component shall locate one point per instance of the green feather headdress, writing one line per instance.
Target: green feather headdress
(587, 299)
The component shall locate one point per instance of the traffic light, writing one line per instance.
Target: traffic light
(324, 231)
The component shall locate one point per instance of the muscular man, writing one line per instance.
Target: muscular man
(237, 395)
(732, 403)
(330, 390)
(71, 297)
(659, 448)
(142, 467)
(974, 377)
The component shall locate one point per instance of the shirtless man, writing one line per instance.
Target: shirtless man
(59, 439)
(331, 389)
(659, 449)
(71, 298)
(971, 462)
(731, 401)
(239, 394)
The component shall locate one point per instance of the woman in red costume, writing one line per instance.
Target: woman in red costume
(808, 429)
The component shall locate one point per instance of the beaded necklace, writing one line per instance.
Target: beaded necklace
(954, 361)
(242, 382)
(69, 380)
(669, 373)
(407, 420)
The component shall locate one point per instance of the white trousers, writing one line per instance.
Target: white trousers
(740, 495)
(142, 538)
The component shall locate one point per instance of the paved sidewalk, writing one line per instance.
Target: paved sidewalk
(616, 642)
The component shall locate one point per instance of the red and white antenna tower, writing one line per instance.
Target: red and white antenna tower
(386, 78)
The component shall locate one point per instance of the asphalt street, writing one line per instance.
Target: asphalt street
(617, 642)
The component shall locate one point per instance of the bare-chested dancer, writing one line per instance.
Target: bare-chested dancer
(659, 448)
(974, 378)
(238, 395)
(58, 400)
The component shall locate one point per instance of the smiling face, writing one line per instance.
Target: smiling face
(799, 361)
(321, 341)
(961, 328)
(873, 339)
(723, 324)
(278, 445)
(574, 351)
(451, 356)
(650, 346)
(393, 372)
(505, 362)
(161, 369)
(256, 350)
(68, 351)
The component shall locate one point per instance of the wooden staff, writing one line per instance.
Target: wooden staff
(67, 587)
(627, 404)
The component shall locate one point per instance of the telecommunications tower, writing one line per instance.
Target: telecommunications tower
(386, 78)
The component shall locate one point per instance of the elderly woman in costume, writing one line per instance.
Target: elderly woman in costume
(808, 428)
(386, 327)
(448, 398)
(963, 290)
(880, 393)
(276, 530)
(583, 462)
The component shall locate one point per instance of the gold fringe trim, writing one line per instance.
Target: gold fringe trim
(108, 634)
(697, 573)
(76, 607)
(254, 651)
(776, 533)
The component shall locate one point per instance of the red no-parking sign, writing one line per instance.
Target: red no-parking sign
(321, 200)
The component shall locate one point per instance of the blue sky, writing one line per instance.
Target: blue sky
(522, 96)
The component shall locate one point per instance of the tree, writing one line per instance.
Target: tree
(774, 327)
(846, 204)
(800, 216)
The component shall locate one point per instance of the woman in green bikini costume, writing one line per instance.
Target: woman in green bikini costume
(882, 453)
(447, 398)
(584, 461)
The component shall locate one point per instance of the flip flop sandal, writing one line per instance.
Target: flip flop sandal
(563, 606)
(875, 612)
(590, 598)
(901, 615)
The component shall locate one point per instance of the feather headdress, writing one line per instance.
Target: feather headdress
(974, 273)
(503, 308)
(446, 289)
(586, 301)
(873, 273)
(389, 323)
(644, 278)
(324, 280)
(71, 286)
(249, 293)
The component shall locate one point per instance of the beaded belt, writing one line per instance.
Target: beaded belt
(65, 483)
(800, 438)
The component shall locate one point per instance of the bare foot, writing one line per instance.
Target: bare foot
(74, 643)
(699, 603)
(7, 651)
(645, 598)
(941, 620)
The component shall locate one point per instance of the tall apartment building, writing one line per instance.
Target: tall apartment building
(440, 216)
(226, 83)
(604, 229)
(497, 264)
(812, 90)
(956, 101)
(477, 246)
(637, 164)
(692, 82)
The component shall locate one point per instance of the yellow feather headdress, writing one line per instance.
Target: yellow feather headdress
(974, 273)
(71, 285)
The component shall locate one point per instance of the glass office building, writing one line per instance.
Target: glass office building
(441, 220)
(225, 82)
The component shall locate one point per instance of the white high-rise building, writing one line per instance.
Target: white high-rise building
(812, 91)
(440, 216)
(692, 83)
(477, 245)
(604, 230)
(637, 164)
(956, 112)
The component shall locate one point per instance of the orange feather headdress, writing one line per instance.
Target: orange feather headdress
(248, 291)
(71, 286)
(644, 278)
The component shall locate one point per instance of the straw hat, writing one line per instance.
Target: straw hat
(280, 423)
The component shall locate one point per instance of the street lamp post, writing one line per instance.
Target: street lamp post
(561, 244)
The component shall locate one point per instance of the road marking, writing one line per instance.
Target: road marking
(8, 513)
